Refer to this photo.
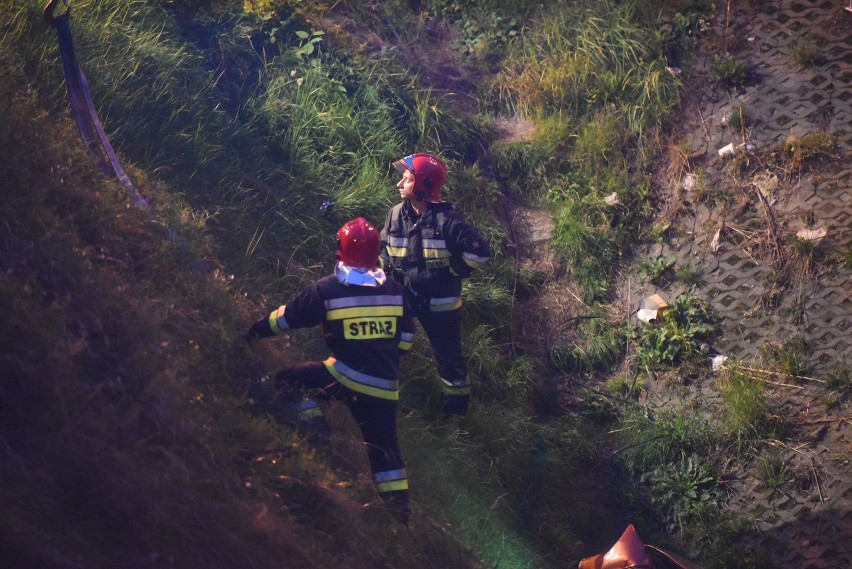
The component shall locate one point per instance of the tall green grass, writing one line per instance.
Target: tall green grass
(598, 68)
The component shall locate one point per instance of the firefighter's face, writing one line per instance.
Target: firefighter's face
(406, 185)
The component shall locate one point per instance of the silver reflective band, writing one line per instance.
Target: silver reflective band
(434, 244)
(374, 300)
(390, 475)
(364, 379)
(475, 258)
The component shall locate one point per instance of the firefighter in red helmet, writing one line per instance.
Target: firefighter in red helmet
(368, 325)
(429, 248)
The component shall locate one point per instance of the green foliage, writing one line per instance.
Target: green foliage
(656, 268)
(679, 37)
(624, 386)
(812, 147)
(846, 258)
(587, 231)
(676, 334)
(745, 409)
(738, 118)
(728, 70)
(839, 378)
(575, 62)
(773, 471)
(688, 275)
(600, 347)
(668, 436)
(599, 144)
(684, 491)
(790, 357)
(486, 33)
(523, 165)
(806, 53)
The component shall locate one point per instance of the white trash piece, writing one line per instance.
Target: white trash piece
(718, 362)
(730, 148)
(651, 307)
(814, 235)
(611, 199)
(717, 239)
(646, 314)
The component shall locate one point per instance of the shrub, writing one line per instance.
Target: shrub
(677, 334)
(728, 70)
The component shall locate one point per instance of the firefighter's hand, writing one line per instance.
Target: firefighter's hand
(255, 332)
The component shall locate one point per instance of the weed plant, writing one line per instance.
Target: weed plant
(600, 348)
(773, 471)
(746, 415)
(789, 357)
(806, 53)
(656, 269)
(738, 119)
(689, 276)
(599, 72)
(668, 436)
(678, 333)
(839, 378)
(728, 70)
(685, 491)
(812, 148)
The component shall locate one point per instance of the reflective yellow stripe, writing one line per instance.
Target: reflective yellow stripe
(445, 304)
(397, 251)
(274, 317)
(363, 311)
(436, 254)
(406, 340)
(361, 382)
(394, 486)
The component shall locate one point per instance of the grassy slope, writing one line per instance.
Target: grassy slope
(124, 438)
(122, 392)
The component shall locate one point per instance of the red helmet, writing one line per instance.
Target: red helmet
(358, 243)
(429, 175)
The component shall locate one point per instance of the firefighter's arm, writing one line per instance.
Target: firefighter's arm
(406, 328)
(384, 257)
(303, 311)
(270, 325)
(470, 251)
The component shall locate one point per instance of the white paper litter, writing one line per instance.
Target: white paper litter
(718, 362)
(812, 234)
(714, 244)
(611, 199)
(646, 314)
